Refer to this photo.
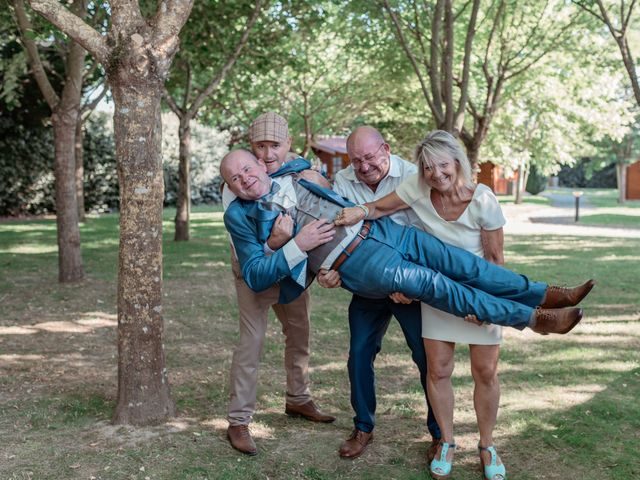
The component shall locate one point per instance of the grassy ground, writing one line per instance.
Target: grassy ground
(568, 406)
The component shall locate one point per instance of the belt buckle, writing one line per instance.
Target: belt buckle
(363, 237)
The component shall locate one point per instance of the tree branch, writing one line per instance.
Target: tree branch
(73, 26)
(169, 20)
(215, 81)
(172, 103)
(466, 66)
(89, 107)
(187, 87)
(49, 94)
(407, 50)
(434, 73)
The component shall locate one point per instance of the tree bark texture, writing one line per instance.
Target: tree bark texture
(183, 203)
(79, 164)
(137, 55)
(621, 173)
(143, 387)
(70, 267)
(64, 120)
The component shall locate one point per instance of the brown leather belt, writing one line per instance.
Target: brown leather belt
(346, 253)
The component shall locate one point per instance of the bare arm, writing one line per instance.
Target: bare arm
(380, 208)
(493, 248)
(493, 245)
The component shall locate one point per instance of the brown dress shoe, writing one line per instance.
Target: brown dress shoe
(241, 440)
(433, 449)
(561, 297)
(356, 444)
(308, 410)
(557, 320)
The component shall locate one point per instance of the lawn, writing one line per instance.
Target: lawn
(568, 406)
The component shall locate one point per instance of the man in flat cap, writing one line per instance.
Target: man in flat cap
(270, 142)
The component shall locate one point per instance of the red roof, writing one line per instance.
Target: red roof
(330, 145)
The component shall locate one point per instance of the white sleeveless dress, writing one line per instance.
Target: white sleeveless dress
(482, 212)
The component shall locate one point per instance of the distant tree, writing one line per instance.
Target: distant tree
(201, 73)
(465, 58)
(562, 107)
(65, 108)
(618, 18)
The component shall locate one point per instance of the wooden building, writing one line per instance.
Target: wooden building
(493, 176)
(332, 152)
(633, 181)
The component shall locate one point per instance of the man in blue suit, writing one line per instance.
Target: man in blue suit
(270, 141)
(376, 258)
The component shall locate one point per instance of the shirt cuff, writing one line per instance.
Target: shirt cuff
(294, 257)
(267, 249)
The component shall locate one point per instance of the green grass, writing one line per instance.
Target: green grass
(597, 197)
(568, 407)
(528, 199)
(610, 220)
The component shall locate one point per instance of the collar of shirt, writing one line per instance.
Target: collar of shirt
(286, 196)
(394, 170)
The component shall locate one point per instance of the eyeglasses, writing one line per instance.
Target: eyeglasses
(369, 159)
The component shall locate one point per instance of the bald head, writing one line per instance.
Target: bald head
(363, 134)
(245, 175)
(369, 155)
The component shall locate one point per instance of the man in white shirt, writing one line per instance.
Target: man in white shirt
(374, 172)
(270, 142)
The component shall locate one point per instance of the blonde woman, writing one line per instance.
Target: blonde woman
(453, 208)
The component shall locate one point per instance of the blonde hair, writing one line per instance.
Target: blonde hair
(438, 144)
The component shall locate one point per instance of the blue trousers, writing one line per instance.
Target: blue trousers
(368, 322)
(400, 259)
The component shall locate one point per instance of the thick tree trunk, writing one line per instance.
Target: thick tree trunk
(183, 206)
(70, 267)
(79, 163)
(143, 387)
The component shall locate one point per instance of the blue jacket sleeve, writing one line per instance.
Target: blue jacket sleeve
(260, 271)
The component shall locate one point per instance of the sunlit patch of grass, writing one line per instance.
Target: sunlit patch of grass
(611, 220)
(529, 199)
(565, 412)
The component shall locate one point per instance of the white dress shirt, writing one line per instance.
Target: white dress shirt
(347, 184)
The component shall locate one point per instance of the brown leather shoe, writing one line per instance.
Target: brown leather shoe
(556, 320)
(561, 297)
(433, 449)
(356, 444)
(241, 440)
(308, 410)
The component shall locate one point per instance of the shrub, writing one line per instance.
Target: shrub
(536, 182)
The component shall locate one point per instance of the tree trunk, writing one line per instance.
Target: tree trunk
(521, 183)
(143, 387)
(64, 119)
(79, 163)
(473, 154)
(621, 173)
(308, 137)
(70, 267)
(183, 206)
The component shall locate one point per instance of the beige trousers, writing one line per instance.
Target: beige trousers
(294, 317)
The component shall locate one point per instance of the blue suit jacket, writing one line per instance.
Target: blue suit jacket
(249, 225)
